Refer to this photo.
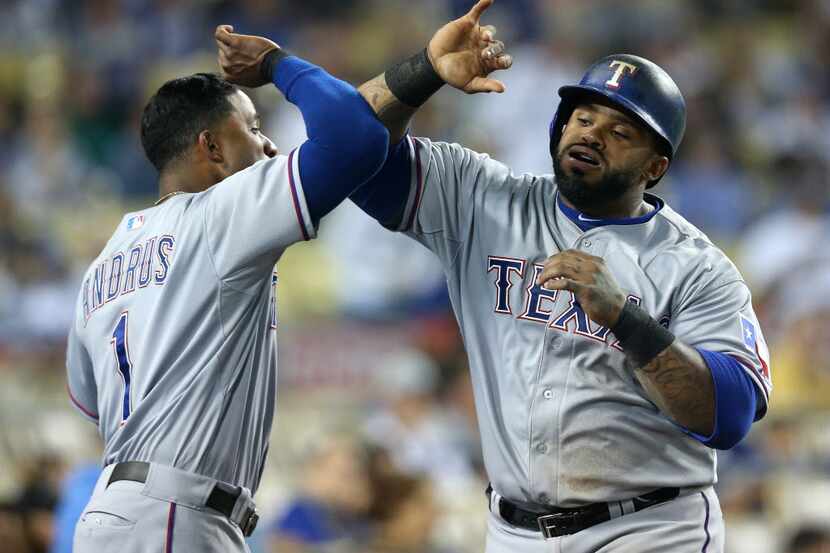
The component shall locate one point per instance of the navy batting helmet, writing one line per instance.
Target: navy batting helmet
(638, 86)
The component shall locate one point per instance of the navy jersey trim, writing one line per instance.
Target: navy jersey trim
(419, 184)
(586, 223)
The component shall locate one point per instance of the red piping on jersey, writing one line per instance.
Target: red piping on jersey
(294, 196)
(764, 366)
(171, 522)
(77, 404)
(418, 186)
(765, 370)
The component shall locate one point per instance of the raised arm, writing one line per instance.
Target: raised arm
(346, 143)
(462, 54)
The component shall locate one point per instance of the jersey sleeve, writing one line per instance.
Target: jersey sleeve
(719, 317)
(447, 182)
(253, 215)
(80, 380)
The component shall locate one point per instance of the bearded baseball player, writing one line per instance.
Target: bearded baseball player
(613, 347)
(173, 349)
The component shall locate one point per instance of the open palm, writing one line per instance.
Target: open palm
(464, 53)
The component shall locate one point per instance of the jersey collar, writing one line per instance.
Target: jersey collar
(586, 223)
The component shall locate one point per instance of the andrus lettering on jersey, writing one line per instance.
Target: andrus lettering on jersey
(122, 273)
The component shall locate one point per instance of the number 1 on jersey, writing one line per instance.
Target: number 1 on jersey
(122, 357)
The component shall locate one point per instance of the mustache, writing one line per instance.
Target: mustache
(586, 146)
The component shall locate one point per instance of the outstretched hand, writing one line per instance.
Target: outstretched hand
(240, 56)
(464, 53)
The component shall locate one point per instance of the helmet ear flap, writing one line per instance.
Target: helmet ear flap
(560, 119)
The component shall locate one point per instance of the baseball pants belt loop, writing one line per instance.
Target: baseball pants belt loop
(232, 501)
(557, 522)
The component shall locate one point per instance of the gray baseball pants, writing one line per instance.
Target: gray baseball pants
(165, 514)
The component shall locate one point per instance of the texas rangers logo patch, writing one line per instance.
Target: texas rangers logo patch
(135, 222)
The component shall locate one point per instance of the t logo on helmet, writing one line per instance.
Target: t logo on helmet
(622, 67)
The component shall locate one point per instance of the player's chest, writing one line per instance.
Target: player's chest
(504, 278)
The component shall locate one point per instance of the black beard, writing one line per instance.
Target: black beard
(584, 196)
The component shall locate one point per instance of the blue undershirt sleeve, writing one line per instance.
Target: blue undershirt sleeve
(736, 401)
(384, 196)
(346, 143)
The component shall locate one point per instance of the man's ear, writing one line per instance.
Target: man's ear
(210, 147)
(656, 167)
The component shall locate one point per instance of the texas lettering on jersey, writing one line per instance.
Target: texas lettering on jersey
(539, 301)
(146, 263)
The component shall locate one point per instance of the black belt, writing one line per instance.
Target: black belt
(562, 522)
(222, 498)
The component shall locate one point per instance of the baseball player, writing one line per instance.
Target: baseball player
(613, 347)
(173, 349)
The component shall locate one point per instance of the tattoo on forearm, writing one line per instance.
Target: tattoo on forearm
(679, 381)
(394, 114)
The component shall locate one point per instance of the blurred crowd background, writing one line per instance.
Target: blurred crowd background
(375, 447)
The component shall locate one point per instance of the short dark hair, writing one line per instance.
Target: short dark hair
(180, 110)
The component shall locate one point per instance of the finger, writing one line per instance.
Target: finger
(483, 84)
(487, 34)
(475, 12)
(493, 50)
(225, 36)
(504, 61)
(558, 270)
(562, 284)
(225, 50)
(223, 59)
(222, 72)
(561, 264)
(222, 32)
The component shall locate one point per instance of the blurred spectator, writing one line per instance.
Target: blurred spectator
(420, 435)
(809, 540)
(35, 503)
(791, 239)
(403, 509)
(328, 514)
(12, 533)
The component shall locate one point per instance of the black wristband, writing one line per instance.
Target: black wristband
(414, 80)
(640, 336)
(269, 63)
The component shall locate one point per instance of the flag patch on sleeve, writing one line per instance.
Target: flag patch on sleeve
(749, 334)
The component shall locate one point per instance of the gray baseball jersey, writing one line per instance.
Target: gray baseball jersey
(562, 421)
(173, 348)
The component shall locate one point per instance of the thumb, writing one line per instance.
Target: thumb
(483, 84)
(479, 8)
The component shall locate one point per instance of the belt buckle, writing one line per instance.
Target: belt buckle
(249, 522)
(556, 524)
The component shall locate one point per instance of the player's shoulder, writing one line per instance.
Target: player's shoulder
(685, 249)
(453, 161)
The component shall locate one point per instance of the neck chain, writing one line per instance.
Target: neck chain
(169, 194)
